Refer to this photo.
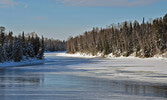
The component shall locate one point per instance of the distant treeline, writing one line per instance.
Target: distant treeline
(54, 45)
(144, 40)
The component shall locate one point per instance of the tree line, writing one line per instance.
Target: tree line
(51, 45)
(143, 40)
(25, 46)
(17, 48)
(54, 45)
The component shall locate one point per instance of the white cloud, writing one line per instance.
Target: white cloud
(39, 17)
(7, 3)
(117, 3)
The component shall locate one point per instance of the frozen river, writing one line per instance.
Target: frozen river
(69, 78)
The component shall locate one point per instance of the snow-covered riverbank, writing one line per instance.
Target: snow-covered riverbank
(152, 70)
(109, 56)
(80, 55)
(22, 63)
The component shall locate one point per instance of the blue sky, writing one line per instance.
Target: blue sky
(60, 19)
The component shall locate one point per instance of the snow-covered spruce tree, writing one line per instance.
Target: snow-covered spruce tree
(4, 51)
(30, 51)
(1, 57)
(41, 50)
(24, 45)
(2, 38)
(36, 44)
(10, 49)
(18, 51)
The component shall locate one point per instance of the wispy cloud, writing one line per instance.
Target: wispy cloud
(39, 17)
(115, 3)
(7, 3)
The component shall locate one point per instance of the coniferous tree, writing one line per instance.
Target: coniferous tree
(4, 52)
(42, 49)
(1, 56)
(2, 38)
(36, 44)
(30, 51)
(10, 49)
(18, 55)
(24, 44)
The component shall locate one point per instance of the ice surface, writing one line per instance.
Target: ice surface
(131, 68)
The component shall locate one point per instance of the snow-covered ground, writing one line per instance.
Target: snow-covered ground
(22, 63)
(152, 70)
(80, 55)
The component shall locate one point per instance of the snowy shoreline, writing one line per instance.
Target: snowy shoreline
(22, 63)
(109, 56)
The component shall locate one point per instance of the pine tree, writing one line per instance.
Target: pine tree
(30, 50)
(1, 56)
(165, 24)
(36, 44)
(10, 46)
(4, 52)
(42, 49)
(18, 53)
(24, 44)
(2, 38)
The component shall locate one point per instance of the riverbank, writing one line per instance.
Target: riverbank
(109, 56)
(21, 63)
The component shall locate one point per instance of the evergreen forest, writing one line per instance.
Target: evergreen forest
(145, 39)
(26, 46)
